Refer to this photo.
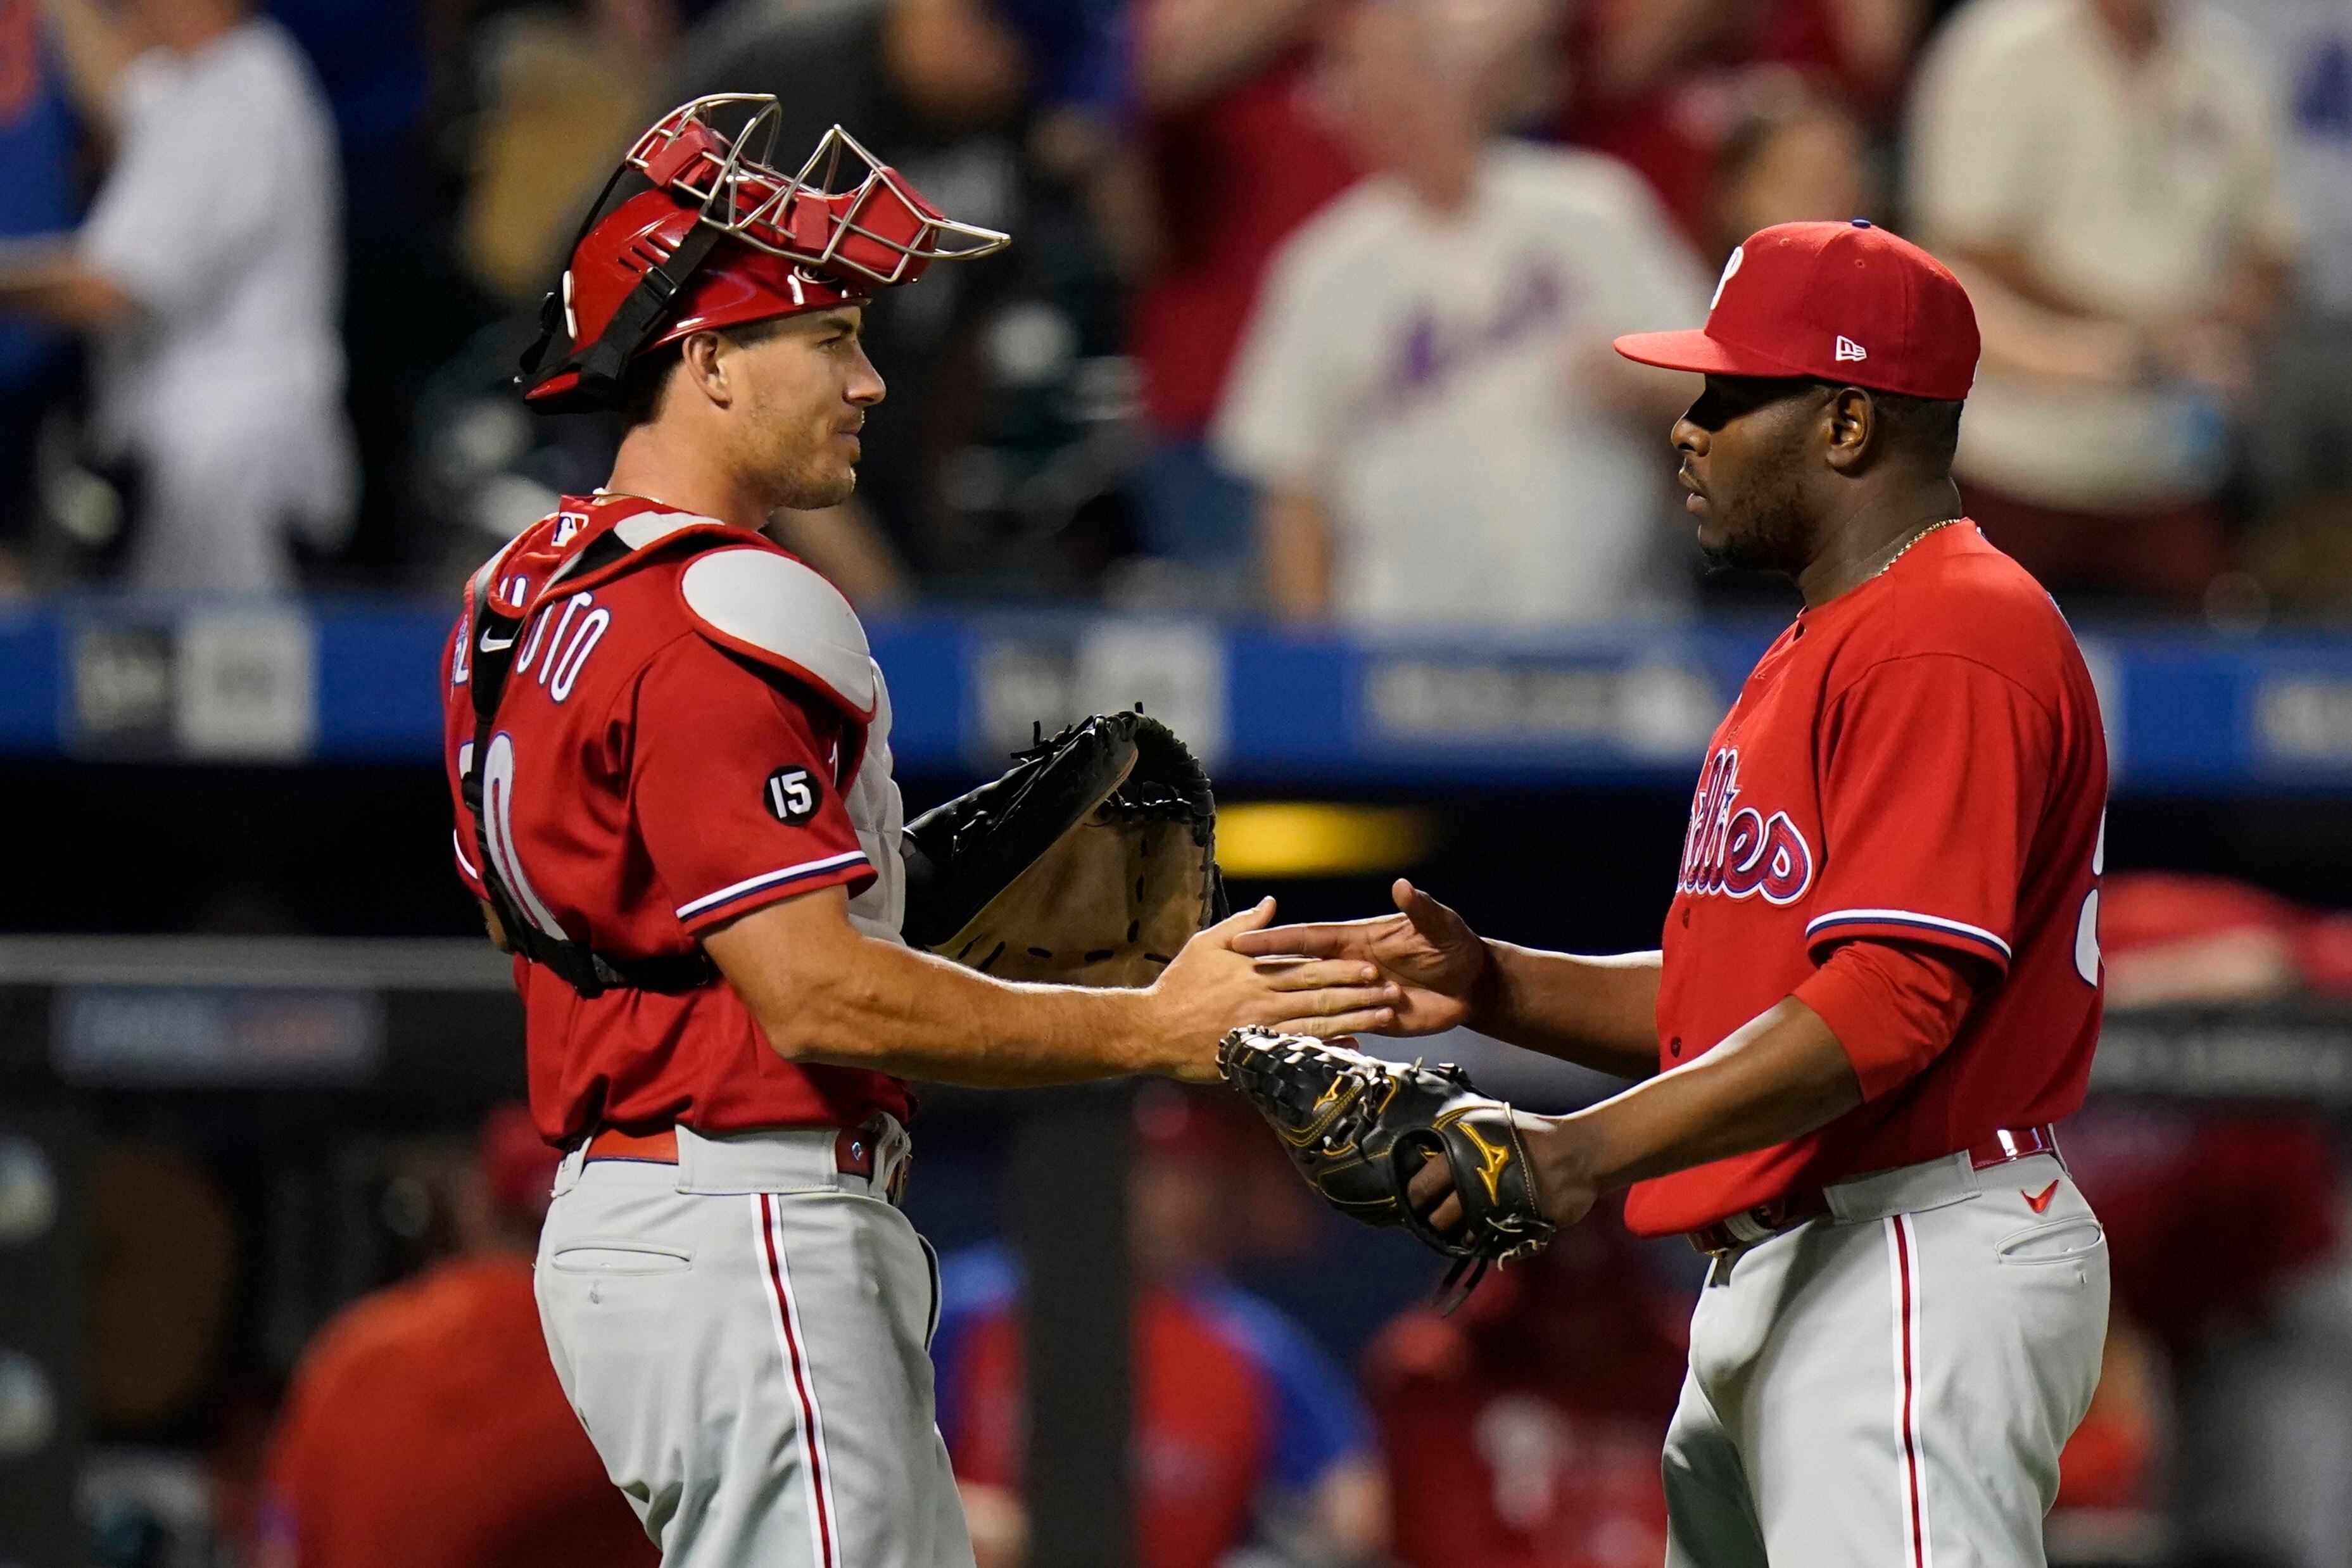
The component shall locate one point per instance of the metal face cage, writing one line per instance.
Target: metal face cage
(844, 211)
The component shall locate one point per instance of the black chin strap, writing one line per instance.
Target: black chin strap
(602, 365)
(602, 362)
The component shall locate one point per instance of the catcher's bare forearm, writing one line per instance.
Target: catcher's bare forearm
(824, 992)
(1599, 1013)
(909, 1014)
(1779, 1076)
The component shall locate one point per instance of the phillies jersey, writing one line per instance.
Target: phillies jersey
(1918, 760)
(692, 728)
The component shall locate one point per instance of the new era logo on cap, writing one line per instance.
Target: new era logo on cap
(1802, 300)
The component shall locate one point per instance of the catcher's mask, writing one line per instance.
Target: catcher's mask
(693, 232)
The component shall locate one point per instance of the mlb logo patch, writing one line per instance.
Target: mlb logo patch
(1848, 349)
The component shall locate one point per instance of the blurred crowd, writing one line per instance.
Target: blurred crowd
(1309, 309)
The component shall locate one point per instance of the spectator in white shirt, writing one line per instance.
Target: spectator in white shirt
(207, 274)
(2104, 177)
(1424, 398)
(2303, 440)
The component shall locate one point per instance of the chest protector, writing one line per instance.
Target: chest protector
(741, 593)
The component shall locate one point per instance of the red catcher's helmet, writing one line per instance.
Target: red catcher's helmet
(693, 233)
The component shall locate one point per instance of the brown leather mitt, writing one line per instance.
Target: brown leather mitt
(1089, 863)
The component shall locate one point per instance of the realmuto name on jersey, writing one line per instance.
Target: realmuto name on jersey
(1736, 850)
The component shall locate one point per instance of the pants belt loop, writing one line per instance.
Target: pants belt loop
(567, 1171)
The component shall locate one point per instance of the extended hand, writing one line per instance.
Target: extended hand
(1425, 949)
(1213, 987)
(1563, 1191)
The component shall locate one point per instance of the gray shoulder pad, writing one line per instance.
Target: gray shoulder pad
(648, 528)
(769, 608)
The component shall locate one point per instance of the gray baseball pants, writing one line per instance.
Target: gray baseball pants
(1889, 1386)
(745, 1336)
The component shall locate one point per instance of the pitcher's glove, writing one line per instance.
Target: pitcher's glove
(1358, 1128)
(1090, 862)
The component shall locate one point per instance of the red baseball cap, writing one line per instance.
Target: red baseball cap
(1847, 302)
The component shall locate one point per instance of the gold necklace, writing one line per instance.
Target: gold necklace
(1915, 539)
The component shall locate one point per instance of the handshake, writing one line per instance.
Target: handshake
(1093, 862)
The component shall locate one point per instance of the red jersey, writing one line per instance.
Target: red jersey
(1523, 1431)
(692, 728)
(425, 1429)
(1234, 176)
(1918, 760)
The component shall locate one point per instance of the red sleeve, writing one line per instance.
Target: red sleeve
(1934, 770)
(457, 740)
(734, 785)
(1893, 1006)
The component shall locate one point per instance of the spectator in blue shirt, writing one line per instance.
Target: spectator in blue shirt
(37, 137)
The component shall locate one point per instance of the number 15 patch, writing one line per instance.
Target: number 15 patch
(791, 795)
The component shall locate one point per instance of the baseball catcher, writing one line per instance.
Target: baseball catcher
(1360, 1130)
(669, 750)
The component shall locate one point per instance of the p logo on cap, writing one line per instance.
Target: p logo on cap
(1730, 270)
(1803, 299)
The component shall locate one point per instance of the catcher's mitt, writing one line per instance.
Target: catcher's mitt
(1358, 1128)
(1090, 862)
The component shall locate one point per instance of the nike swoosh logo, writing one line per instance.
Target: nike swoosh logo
(2041, 1201)
(492, 645)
